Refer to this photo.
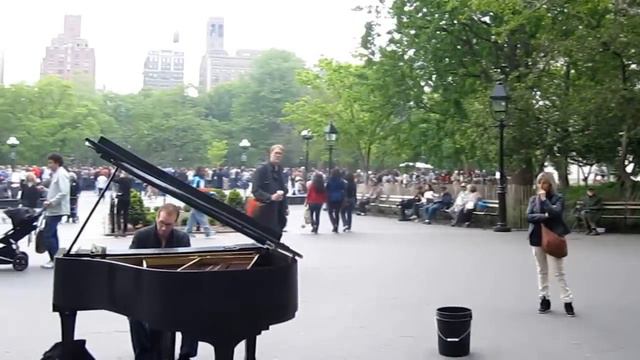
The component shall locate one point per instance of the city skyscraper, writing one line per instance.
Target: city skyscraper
(215, 36)
(217, 66)
(69, 56)
(164, 69)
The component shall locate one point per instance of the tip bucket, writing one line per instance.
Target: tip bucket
(454, 330)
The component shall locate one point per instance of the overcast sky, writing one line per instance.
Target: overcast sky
(121, 32)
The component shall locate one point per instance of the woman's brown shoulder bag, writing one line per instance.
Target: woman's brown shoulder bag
(553, 244)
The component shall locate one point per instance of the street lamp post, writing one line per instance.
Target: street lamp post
(330, 135)
(500, 105)
(13, 144)
(307, 136)
(244, 145)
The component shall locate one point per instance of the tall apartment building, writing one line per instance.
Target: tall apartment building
(164, 69)
(217, 66)
(69, 56)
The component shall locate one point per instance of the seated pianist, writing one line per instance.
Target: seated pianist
(150, 344)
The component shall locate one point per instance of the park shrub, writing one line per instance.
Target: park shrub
(235, 199)
(137, 211)
(220, 195)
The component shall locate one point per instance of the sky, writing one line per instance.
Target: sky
(122, 32)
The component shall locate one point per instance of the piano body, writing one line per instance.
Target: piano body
(219, 295)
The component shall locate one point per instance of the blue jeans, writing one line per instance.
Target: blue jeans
(50, 234)
(196, 217)
(432, 211)
(315, 209)
(346, 213)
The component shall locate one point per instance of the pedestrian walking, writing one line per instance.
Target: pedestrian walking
(196, 217)
(56, 206)
(336, 187)
(351, 197)
(316, 197)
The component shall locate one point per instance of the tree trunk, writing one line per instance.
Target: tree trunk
(562, 166)
(624, 178)
(523, 176)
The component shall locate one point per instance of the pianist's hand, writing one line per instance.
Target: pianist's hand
(277, 197)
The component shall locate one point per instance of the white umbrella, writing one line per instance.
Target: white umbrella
(406, 164)
(421, 165)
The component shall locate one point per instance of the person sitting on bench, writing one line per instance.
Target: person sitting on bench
(590, 211)
(373, 196)
(410, 204)
(465, 214)
(444, 201)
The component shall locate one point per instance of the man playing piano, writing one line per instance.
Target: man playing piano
(270, 191)
(148, 344)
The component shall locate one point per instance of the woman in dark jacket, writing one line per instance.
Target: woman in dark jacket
(351, 196)
(335, 196)
(546, 208)
(30, 195)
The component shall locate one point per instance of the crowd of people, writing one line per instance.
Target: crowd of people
(270, 185)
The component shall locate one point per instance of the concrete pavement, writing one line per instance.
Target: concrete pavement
(372, 294)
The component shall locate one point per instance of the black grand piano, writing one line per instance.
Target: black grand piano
(219, 295)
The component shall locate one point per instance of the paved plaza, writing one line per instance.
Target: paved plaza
(372, 294)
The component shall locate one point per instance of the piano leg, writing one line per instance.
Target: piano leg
(224, 350)
(250, 348)
(68, 324)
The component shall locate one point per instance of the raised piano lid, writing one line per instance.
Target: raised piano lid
(158, 178)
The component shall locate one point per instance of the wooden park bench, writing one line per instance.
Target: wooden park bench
(388, 204)
(489, 212)
(296, 199)
(612, 210)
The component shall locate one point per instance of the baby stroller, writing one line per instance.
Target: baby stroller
(25, 221)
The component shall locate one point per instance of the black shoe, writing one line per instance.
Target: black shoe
(545, 306)
(595, 232)
(335, 230)
(568, 307)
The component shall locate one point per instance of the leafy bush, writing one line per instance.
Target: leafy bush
(137, 211)
(235, 199)
(220, 195)
(150, 219)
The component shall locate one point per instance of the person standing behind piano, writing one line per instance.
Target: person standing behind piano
(148, 344)
(123, 204)
(270, 191)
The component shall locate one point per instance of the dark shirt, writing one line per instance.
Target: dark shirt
(351, 191)
(446, 199)
(335, 189)
(74, 190)
(592, 203)
(30, 196)
(268, 179)
(147, 238)
(124, 187)
(548, 212)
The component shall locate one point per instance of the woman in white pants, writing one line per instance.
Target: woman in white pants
(546, 207)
